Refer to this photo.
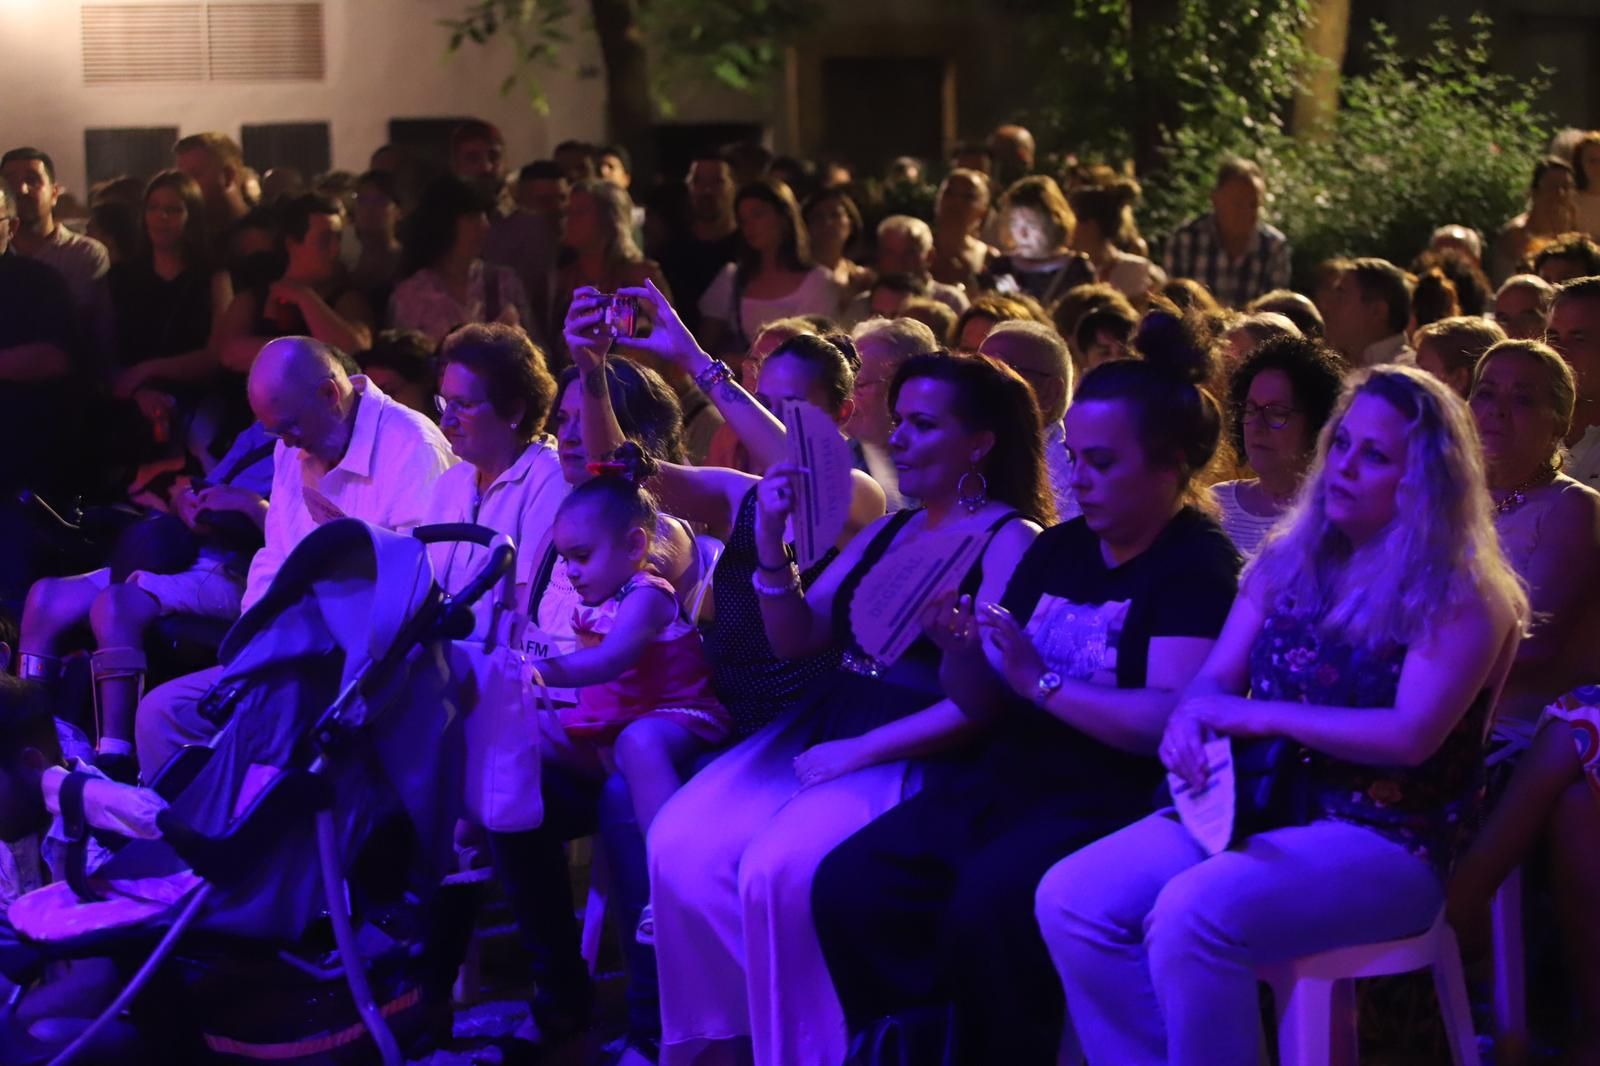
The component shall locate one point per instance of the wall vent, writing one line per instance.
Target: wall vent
(130, 43)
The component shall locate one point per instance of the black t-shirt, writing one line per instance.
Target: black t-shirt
(35, 305)
(1094, 623)
(689, 266)
(157, 317)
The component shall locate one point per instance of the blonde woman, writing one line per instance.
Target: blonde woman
(1375, 631)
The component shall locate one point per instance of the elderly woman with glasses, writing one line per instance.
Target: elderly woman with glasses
(1281, 395)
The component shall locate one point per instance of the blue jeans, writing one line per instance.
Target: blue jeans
(1157, 945)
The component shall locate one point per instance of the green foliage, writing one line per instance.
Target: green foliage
(735, 42)
(1417, 142)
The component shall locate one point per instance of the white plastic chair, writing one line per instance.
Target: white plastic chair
(1316, 994)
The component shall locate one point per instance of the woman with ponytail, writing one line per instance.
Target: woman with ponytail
(925, 916)
(1373, 631)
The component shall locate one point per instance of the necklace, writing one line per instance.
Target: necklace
(1519, 495)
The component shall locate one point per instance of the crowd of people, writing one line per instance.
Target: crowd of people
(1360, 514)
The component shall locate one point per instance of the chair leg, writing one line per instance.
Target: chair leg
(594, 909)
(1450, 982)
(1305, 1021)
(1510, 989)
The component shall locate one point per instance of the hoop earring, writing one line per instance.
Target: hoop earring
(975, 500)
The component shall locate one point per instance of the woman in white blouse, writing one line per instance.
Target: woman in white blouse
(1281, 396)
(774, 276)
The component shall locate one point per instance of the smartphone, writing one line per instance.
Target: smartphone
(621, 316)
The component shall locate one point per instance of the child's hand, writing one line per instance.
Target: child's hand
(828, 760)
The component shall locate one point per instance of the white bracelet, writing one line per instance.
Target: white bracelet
(774, 591)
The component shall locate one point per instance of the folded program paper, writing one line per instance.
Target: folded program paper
(886, 612)
(818, 448)
(1208, 812)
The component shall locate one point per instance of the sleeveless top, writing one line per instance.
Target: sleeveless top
(671, 677)
(1426, 809)
(752, 681)
(862, 693)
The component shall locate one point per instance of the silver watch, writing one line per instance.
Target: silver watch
(1046, 687)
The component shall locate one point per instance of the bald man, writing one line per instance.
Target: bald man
(344, 449)
(1039, 355)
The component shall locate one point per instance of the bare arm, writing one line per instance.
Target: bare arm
(641, 617)
(236, 346)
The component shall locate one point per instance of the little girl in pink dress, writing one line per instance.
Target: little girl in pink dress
(645, 707)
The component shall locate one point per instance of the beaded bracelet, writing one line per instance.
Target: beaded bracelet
(774, 591)
(714, 373)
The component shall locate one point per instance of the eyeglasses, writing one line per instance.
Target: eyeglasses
(1275, 415)
(457, 407)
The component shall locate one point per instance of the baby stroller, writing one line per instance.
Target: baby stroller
(337, 730)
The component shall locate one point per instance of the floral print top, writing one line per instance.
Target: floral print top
(1426, 809)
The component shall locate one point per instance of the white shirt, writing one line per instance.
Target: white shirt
(521, 502)
(1058, 467)
(818, 294)
(1583, 459)
(1389, 350)
(1245, 528)
(385, 477)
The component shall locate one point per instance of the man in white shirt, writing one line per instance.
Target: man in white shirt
(1368, 313)
(344, 449)
(1575, 333)
(1040, 357)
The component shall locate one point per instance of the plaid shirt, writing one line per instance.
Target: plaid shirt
(1195, 251)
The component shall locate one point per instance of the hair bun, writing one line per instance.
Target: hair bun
(847, 348)
(629, 462)
(1179, 344)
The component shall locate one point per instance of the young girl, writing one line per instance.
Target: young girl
(645, 705)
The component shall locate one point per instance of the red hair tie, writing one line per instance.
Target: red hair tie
(610, 466)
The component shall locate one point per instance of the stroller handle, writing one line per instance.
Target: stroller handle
(456, 620)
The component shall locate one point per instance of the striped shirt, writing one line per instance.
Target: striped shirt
(1195, 251)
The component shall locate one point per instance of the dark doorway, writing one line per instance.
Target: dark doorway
(302, 145)
(876, 108)
(678, 143)
(111, 153)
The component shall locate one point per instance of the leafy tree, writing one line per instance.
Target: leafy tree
(1417, 142)
(644, 45)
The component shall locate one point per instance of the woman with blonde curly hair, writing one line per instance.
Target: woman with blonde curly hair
(1374, 631)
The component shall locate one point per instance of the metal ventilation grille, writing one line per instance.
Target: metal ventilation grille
(155, 42)
(143, 42)
(265, 42)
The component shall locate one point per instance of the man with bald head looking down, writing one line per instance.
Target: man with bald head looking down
(344, 450)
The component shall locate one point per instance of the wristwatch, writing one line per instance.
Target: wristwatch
(1046, 687)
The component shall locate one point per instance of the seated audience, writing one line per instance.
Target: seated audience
(599, 234)
(938, 317)
(1039, 355)
(883, 345)
(1230, 250)
(712, 241)
(1367, 314)
(168, 295)
(1575, 333)
(377, 220)
(1450, 348)
(1522, 306)
(1458, 240)
(82, 261)
(1473, 291)
(1522, 400)
(526, 241)
(1551, 212)
(1105, 211)
(1190, 295)
(1078, 301)
(447, 281)
(1433, 297)
(834, 226)
(1299, 309)
(1037, 227)
(216, 164)
(1280, 396)
(988, 309)
(733, 852)
(905, 250)
(401, 363)
(307, 299)
(929, 905)
(1103, 336)
(774, 276)
(960, 207)
(1246, 333)
(344, 449)
(1374, 631)
(1549, 804)
(1570, 256)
